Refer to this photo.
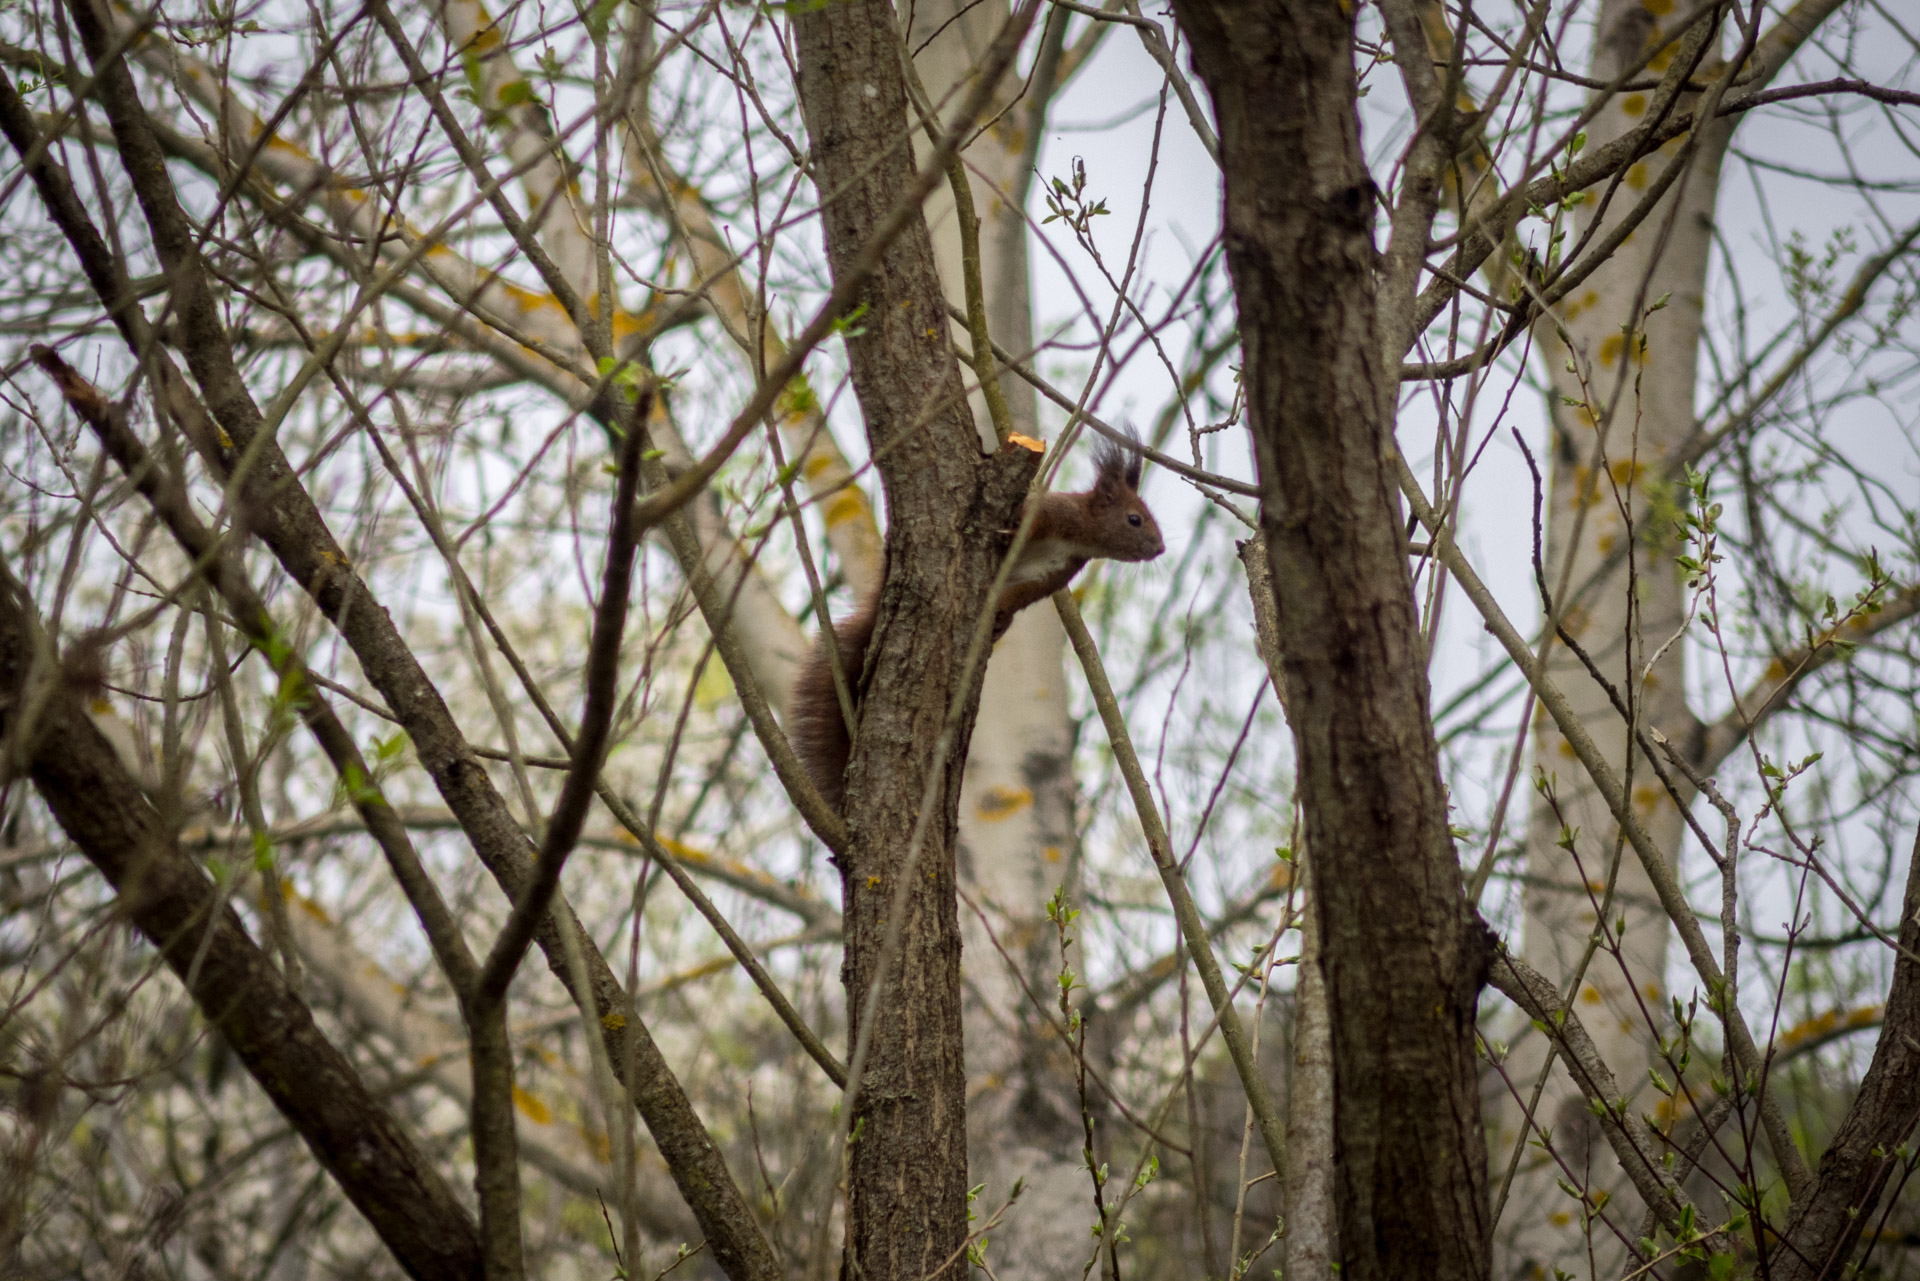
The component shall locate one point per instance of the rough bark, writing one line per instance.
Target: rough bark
(1017, 845)
(907, 1184)
(235, 983)
(1826, 1226)
(1402, 957)
(1017, 799)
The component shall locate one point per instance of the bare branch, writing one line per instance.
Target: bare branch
(234, 983)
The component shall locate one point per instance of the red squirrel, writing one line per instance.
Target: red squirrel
(1109, 520)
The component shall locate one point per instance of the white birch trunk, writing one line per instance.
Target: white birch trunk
(1642, 409)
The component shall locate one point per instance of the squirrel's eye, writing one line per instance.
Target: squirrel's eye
(1133, 518)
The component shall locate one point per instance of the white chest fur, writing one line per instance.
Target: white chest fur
(1044, 556)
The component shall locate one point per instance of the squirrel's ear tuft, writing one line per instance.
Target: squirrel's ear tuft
(1117, 465)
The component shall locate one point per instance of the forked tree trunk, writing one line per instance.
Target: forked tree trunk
(907, 1178)
(1402, 956)
(1017, 802)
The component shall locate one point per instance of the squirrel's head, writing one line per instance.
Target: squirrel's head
(1125, 527)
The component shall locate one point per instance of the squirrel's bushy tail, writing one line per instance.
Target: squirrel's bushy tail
(817, 727)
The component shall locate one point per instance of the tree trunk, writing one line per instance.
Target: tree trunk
(1402, 956)
(907, 1209)
(1311, 1217)
(1017, 801)
(1633, 409)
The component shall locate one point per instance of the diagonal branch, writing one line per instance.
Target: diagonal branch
(1192, 928)
(165, 492)
(235, 984)
(1785, 672)
(1704, 439)
(569, 1151)
(1660, 872)
(589, 747)
(1632, 1142)
(557, 283)
(1154, 41)
(849, 284)
(529, 333)
(283, 514)
(1486, 232)
(517, 117)
(536, 315)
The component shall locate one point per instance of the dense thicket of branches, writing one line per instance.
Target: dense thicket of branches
(433, 435)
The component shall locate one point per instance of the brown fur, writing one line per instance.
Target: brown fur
(1108, 521)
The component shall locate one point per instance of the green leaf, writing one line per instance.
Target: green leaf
(598, 17)
(470, 65)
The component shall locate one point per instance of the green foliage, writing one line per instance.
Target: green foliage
(628, 377)
(1811, 274)
(1067, 201)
